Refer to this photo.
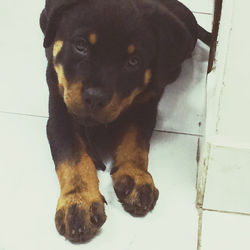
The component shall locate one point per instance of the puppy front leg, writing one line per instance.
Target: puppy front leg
(133, 184)
(80, 209)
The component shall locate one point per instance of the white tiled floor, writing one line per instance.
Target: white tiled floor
(225, 231)
(29, 190)
(200, 6)
(228, 185)
(29, 187)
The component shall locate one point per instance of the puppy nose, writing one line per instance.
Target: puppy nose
(95, 98)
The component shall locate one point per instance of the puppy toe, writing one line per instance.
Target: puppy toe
(124, 186)
(98, 216)
(78, 223)
(144, 200)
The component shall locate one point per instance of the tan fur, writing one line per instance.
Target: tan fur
(72, 93)
(73, 96)
(62, 81)
(92, 38)
(57, 47)
(117, 105)
(145, 96)
(132, 160)
(86, 171)
(130, 152)
(131, 48)
(147, 76)
(70, 177)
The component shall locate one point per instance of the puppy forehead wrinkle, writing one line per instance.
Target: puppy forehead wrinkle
(57, 47)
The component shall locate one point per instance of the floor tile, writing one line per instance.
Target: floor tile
(203, 6)
(29, 191)
(23, 64)
(182, 107)
(225, 231)
(205, 21)
(228, 185)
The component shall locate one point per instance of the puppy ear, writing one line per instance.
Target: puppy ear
(43, 21)
(52, 15)
(174, 42)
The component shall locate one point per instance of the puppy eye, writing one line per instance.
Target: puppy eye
(81, 45)
(133, 63)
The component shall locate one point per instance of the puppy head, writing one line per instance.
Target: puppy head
(106, 53)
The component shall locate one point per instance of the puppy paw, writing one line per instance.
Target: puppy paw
(135, 189)
(78, 219)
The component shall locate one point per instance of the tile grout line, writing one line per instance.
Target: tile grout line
(200, 221)
(225, 212)
(179, 133)
(21, 114)
(203, 13)
(156, 130)
(199, 234)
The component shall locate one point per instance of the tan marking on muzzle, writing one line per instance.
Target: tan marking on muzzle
(62, 81)
(72, 94)
(147, 76)
(145, 96)
(92, 38)
(131, 48)
(57, 47)
(117, 105)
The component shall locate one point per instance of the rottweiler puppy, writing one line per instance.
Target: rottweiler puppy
(108, 64)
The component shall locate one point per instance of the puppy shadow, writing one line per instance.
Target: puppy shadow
(179, 98)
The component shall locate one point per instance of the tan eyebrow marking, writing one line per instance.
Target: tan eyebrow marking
(92, 38)
(57, 47)
(147, 76)
(131, 48)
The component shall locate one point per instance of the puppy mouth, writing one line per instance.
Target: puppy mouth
(93, 119)
(87, 121)
(90, 123)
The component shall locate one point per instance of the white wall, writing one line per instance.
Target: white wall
(224, 176)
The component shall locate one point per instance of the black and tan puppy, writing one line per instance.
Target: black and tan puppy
(108, 64)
